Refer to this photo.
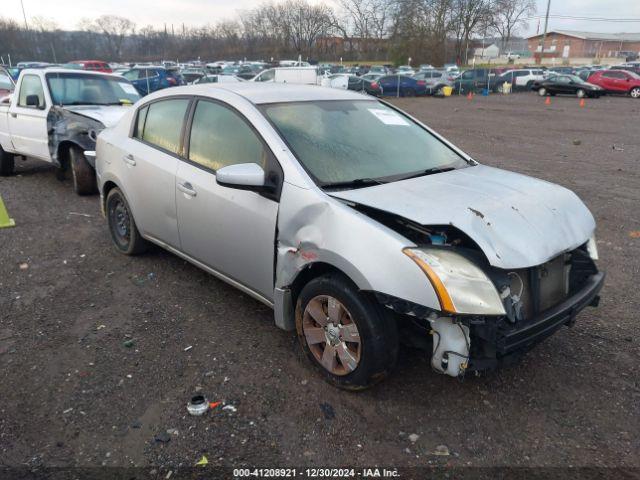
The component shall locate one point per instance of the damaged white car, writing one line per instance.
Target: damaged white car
(55, 115)
(359, 225)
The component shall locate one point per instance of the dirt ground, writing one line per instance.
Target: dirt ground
(99, 353)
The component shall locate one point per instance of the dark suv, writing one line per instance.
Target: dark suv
(474, 80)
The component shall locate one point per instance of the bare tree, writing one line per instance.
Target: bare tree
(468, 16)
(509, 16)
(114, 30)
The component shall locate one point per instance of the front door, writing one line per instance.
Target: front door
(230, 230)
(28, 122)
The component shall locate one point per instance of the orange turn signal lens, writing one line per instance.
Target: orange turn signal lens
(446, 304)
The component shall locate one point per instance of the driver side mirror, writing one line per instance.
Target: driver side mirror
(33, 101)
(248, 176)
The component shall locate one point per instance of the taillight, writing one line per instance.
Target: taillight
(421, 83)
(172, 81)
(374, 85)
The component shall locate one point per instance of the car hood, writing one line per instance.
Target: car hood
(108, 115)
(517, 221)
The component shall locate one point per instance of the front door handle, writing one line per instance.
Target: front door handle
(187, 189)
(14, 115)
(129, 160)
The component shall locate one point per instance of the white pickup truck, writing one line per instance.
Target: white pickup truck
(55, 115)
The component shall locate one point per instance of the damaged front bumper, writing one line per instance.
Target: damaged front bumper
(496, 341)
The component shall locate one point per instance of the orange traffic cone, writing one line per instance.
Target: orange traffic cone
(547, 101)
(582, 103)
(470, 96)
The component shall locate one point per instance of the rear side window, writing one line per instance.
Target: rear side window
(31, 85)
(161, 123)
(220, 137)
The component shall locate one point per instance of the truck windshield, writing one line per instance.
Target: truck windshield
(70, 88)
(359, 142)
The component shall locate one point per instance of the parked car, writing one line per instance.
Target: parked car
(373, 77)
(405, 70)
(7, 85)
(355, 222)
(475, 80)
(246, 71)
(295, 75)
(92, 65)
(352, 82)
(378, 70)
(190, 75)
(520, 79)
(402, 85)
(628, 68)
(617, 81)
(149, 78)
(56, 114)
(219, 79)
(567, 85)
(435, 80)
(565, 70)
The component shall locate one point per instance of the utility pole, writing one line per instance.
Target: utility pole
(24, 15)
(544, 34)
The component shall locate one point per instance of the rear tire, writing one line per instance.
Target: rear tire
(82, 174)
(122, 226)
(359, 332)
(7, 163)
(635, 92)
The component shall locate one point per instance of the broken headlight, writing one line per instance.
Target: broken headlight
(592, 248)
(460, 285)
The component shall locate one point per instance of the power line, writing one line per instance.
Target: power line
(588, 19)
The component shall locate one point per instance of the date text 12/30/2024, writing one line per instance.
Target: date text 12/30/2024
(316, 473)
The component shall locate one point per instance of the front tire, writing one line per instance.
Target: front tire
(635, 92)
(7, 163)
(122, 226)
(344, 333)
(82, 174)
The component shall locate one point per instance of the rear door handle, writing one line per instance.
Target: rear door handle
(187, 189)
(129, 160)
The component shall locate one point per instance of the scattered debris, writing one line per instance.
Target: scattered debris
(136, 424)
(442, 450)
(163, 437)
(327, 409)
(188, 348)
(129, 343)
(413, 438)
(304, 382)
(635, 234)
(100, 327)
(67, 410)
(24, 266)
(577, 142)
(213, 405)
(202, 462)
(173, 431)
(81, 214)
(129, 375)
(617, 148)
(198, 405)
(230, 408)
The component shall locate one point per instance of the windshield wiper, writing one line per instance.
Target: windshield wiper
(357, 183)
(428, 171)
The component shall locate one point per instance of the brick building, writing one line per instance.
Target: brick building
(574, 44)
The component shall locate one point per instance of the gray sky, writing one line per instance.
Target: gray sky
(68, 13)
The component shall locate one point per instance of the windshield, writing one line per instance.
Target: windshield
(342, 141)
(82, 89)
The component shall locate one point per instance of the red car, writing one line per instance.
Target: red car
(93, 65)
(617, 81)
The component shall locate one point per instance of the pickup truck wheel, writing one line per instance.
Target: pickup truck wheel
(635, 92)
(122, 226)
(83, 175)
(345, 334)
(7, 163)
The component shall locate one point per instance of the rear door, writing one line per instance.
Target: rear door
(230, 230)
(150, 166)
(614, 81)
(28, 123)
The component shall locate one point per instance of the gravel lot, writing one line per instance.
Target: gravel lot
(75, 392)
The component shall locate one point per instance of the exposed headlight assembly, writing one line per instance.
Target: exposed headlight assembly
(592, 248)
(460, 285)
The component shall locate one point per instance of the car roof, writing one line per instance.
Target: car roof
(69, 70)
(259, 93)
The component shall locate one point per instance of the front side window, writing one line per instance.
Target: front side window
(6, 83)
(267, 76)
(343, 141)
(219, 137)
(71, 88)
(31, 85)
(163, 123)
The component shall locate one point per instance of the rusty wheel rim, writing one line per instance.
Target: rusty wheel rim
(332, 335)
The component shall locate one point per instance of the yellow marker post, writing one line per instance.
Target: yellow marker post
(5, 221)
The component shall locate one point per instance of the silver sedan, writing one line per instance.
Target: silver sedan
(358, 224)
